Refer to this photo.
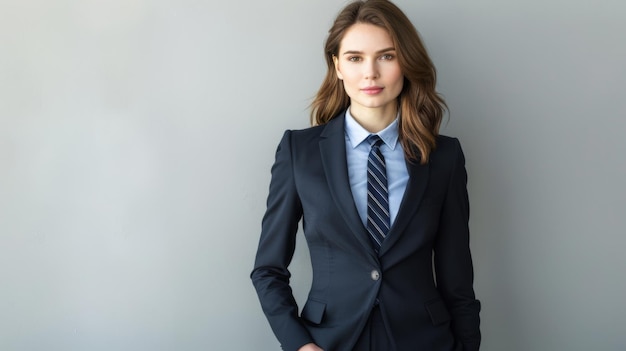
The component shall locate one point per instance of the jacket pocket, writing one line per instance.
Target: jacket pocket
(438, 311)
(313, 311)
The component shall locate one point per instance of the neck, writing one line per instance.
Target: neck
(374, 119)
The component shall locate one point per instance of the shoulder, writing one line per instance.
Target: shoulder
(446, 145)
(312, 134)
(445, 141)
(307, 133)
(298, 137)
(447, 151)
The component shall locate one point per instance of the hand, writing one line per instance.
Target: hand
(310, 347)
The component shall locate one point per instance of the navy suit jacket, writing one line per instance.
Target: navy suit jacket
(422, 277)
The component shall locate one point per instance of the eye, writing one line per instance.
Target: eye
(354, 59)
(387, 57)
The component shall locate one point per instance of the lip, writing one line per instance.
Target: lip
(372, 90)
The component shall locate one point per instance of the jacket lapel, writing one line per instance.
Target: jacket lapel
(418, 181)
(333, 153)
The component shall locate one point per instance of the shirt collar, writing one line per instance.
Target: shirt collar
(357, 134)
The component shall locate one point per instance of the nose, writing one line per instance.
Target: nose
(371, 70)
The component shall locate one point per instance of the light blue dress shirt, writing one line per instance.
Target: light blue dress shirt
(357, 151)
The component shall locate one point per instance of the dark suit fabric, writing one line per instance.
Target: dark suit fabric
(310, 182)
(374, 336)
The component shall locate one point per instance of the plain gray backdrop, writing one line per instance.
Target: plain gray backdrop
(136, 139)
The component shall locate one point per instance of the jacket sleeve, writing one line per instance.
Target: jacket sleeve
(270, 275)
(453, 261)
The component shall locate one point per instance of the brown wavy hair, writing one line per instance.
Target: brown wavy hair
(421, 107)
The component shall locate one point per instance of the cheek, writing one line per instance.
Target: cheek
(350, 78)
(349, 73)
(349, 88)
(397, 75)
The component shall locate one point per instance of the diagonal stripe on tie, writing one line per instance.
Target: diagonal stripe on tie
(377, 194)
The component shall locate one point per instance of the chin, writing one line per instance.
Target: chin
(376, 104)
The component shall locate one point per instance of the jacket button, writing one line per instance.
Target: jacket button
(375, 275)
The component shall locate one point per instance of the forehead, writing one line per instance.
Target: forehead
(366, 38)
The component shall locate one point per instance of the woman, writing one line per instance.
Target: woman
(383, 202)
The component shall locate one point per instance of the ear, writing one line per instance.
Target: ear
(337, 71)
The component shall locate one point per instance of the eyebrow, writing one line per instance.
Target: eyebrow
(353, 52)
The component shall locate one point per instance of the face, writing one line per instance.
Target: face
(368, 66)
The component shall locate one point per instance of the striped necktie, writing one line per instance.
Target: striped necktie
(377, 194)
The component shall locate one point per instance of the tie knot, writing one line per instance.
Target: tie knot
(375, 141)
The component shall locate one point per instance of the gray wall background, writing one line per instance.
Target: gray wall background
(117, 233)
